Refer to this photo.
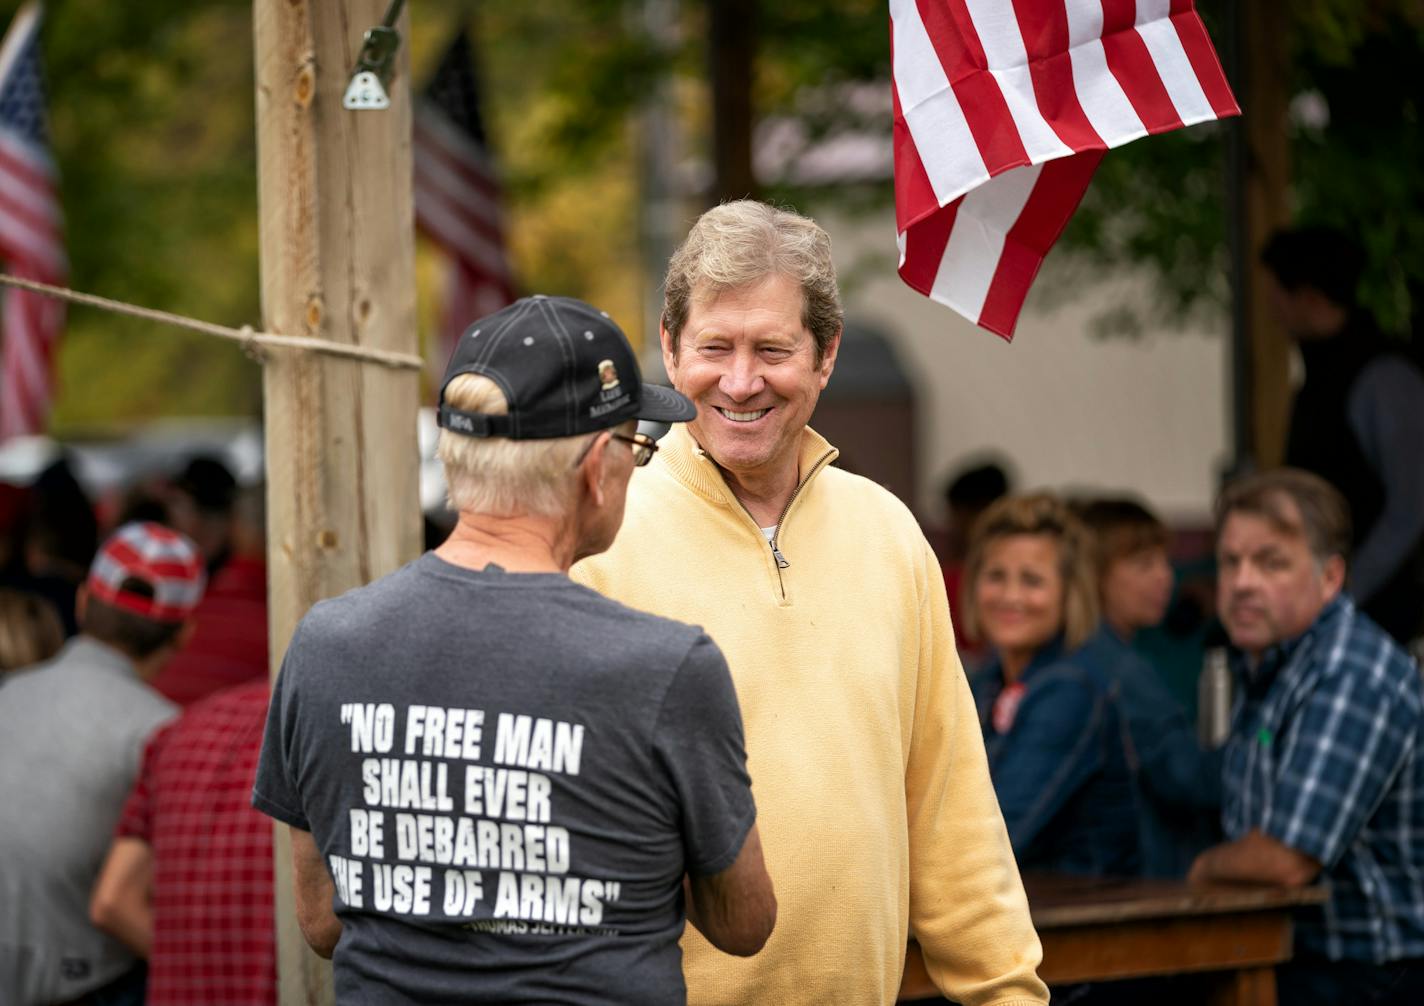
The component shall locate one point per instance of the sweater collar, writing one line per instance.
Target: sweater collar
(687, 462)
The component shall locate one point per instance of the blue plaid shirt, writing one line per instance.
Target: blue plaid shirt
(1326, 755)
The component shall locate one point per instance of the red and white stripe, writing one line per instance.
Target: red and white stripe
(1003, 109)
(458, 205)
(31, 246)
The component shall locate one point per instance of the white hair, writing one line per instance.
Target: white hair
(499, 476)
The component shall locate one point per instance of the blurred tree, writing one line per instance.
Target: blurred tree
(151, 113)
(1355, 145)
(1358, 144)
(1156, 206)
(157, 172)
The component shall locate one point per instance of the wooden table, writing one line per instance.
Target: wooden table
(1099, 929)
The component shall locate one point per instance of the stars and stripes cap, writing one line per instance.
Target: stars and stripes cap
(565, 369)
(163, 560)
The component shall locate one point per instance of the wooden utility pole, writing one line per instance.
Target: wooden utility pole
(1264, 206)
(732, 57)
(338, 263)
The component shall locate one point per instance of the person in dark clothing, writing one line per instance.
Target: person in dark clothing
(1177, 782)
(967, 494)
(200, 506)
(1323, 782)
(54, 541)
(1357, 421)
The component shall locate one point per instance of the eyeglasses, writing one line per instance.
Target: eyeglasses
(644, 447)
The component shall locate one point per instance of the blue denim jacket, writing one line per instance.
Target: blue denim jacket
(1177, 782)
(1060, 770)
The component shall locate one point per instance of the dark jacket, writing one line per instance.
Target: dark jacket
(1059, 769)
(1177, 782)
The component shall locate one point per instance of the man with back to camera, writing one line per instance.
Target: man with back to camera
(1324, 766)
(502, 776)
(1357, 421)
(72, 731)
(187, 883)
(879, 817)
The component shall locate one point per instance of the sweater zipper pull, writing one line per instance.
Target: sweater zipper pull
(781, 562)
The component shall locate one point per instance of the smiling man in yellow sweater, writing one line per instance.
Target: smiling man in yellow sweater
(878, 819)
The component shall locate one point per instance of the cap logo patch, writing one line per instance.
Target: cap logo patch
(610, 396)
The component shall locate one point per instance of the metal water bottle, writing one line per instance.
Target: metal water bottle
(1214, 698)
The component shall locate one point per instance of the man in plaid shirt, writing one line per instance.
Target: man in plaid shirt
(188, 880)
(1324, 771)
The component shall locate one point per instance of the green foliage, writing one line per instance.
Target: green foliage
(1155, 206)
(152, 121)
(562, 80)
(1160, 203)
(151, 117)
(1361, 172)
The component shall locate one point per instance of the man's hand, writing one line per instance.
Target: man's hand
(122, 902)
(735, 909)
(315, 891)
(1254, 858)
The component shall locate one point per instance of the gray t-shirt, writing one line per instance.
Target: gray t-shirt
(71, 736)
(507, 775)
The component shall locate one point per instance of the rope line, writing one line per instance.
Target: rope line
(252, 341)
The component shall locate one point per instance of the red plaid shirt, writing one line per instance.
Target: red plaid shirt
(213, 939)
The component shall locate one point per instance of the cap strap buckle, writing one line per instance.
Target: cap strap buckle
(473, 424)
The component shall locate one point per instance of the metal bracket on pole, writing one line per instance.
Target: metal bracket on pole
(374, 66)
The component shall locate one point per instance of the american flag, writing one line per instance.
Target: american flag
(31, 243)
(458, 196)
(1003, 109)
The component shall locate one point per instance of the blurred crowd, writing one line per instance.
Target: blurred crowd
(129, 833)
(1300, 628)
(50, 532)
(1095, 757)
(1308, 774)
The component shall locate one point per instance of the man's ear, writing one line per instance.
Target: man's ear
(1333, 576)
(81, 603)
(591, 468)
(669, 354)
(828, 358)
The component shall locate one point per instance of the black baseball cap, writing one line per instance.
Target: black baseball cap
(565, 368)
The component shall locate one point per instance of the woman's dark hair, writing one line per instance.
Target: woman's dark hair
(1121, 527)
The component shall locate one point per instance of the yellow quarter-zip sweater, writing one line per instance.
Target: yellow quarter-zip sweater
(877, 816)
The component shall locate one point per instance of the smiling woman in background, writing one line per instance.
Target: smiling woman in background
(1051, 724)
